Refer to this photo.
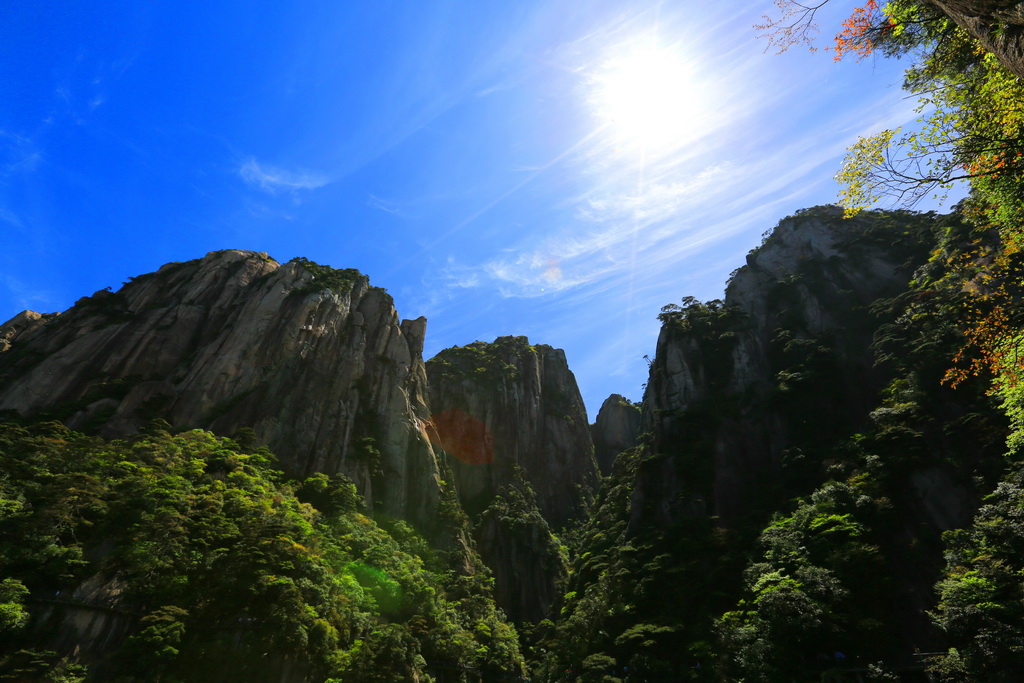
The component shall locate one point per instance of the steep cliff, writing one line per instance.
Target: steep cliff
(510, 416)
(739, 389)
(800, 461)
(313, 359)
(528, 561)
(523, 400)
(616, 429)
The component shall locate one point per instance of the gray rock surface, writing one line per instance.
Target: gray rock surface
(326, 377)
(616, 429)
(510, 416)
(22, 325)
(528, 405)
(805, 292)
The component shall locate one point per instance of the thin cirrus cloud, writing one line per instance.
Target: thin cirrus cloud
(387, 206)
(636, 222)
(26, 296)
(622, 224)
(274, 179)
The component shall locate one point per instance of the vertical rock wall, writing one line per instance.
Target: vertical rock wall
(738, 386)
(523, 399)
(510, 416)
(616, 429)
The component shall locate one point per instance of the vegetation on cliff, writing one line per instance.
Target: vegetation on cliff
(483, 362)
(834, 562)
(326, 278)
(842, 571)
(847, 567)
(874, 508)
(222, 569)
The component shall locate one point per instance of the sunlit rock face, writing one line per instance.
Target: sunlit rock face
(22, 324)
(737, 390)
(322, 370)
(616, 429)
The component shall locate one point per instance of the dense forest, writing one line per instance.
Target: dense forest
(222, 569)
(827, 480)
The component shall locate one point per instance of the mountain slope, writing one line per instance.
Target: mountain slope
(313, 359)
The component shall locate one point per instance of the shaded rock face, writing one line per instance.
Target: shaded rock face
(997, 24)
(784, 361)
(525, 400)
(510, 416)
(516, 542)
(314, 360)
(616, 429)
(526, 565)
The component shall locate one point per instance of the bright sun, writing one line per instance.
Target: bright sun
(648, 98)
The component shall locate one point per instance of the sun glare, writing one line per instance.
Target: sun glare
(648, 98)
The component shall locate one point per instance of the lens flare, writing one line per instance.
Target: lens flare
(462, 436)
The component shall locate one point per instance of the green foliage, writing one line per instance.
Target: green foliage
(637, 604)
(483, 362)
(818, 589)
(156, 645)
(13, 616)
(231, 571)
(326, 278)
(862, 174)
(41, 665)
(972, 119)
(981, 598)
(1012, 396)
(698, 317)
(834, 556)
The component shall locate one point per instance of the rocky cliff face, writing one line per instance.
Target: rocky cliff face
(739, 389)
(529, 563)
(997, 24)
(810, 395)
(616, 429)
(508, 404)
(510, 412)
(313, 359)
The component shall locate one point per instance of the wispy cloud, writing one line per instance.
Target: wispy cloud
(460, 277)
(12, 219)
(387, 206)
(18, 153)
(274, 179)
(652, 202)
(261, 211)
(641, 218)
(26, 297)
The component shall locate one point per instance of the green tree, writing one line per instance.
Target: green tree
(13, 616)
(981, 598)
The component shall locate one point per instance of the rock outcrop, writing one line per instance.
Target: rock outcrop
(21, 325)
(315, 360)
(739, 388)
(522, 399)
(528, 561)
(997, 24)
(509, 412)
(616, 429)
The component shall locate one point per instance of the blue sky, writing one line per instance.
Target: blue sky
(473, 158)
